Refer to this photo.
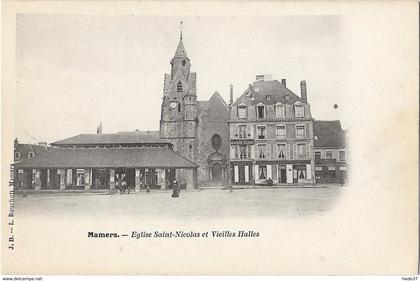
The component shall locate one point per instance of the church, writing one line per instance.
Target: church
(190, 147)
(198, 130)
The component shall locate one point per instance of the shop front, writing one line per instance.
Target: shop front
(96, 168)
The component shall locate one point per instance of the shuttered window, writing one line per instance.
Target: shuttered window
(300, 131)
(301, 150)
(281, 151)
(242, 112)
(262, 151)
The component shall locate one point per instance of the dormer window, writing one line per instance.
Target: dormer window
(242, 112)
(17, 155)
(268, 97)
(280, 111)
(179, 87)
(31, 154)
(260, 111)
(299, 111)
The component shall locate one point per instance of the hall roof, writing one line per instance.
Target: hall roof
(147, 157)
(328, 134)
(119, 138)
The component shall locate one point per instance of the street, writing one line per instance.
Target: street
(200, 203)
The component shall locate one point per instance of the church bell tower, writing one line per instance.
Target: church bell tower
(178, 122)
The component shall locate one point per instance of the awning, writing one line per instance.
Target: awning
(147, 157)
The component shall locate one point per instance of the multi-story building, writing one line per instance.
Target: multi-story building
(330, 152)
(271, 135)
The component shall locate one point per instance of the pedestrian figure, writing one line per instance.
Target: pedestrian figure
(176, 190)
(147, 189)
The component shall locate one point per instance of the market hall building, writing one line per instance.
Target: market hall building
(106, 161)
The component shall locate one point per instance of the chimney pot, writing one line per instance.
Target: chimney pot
(303, 93)
(283, 82)
(231, 95)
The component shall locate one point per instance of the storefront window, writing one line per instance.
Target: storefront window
(80, 180)
(262, 171)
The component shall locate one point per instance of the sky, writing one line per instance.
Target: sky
(73, 71)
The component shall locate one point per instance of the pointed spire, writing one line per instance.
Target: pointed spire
(180, 51)
(180, 37)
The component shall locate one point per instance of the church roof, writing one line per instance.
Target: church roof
(180, 51)
(258, 92)
(119, 138)
(151, 157)
(329, 134)
(201, 105)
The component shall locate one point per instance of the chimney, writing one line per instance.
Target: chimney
(99, 128)
(283, 82)
(231, 95)
(303, 93)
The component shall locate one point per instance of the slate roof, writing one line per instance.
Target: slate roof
(102, 139)
(180, 51)
(200, 106)
(260, 89)
(151, 157)
(329, 134)
(25, 148)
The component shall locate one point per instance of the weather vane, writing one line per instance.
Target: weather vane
(180, 27)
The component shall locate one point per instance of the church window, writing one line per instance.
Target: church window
(179, 107)
(216, 141)
(179, 87)
(183, 62)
